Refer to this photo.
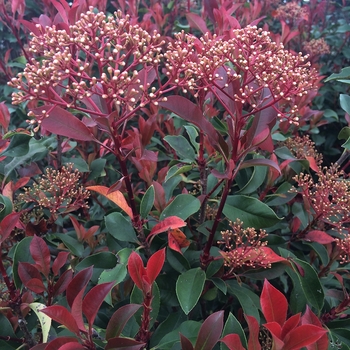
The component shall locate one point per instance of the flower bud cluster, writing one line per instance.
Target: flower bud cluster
(105, 57)
(242, 247)
(58, 191)
(329, 196)
(316, 47)
(302, 147)
(292, 13)
(257, 68)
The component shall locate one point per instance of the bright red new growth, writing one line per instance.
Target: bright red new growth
(273, 304)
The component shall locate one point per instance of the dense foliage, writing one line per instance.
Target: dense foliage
(174, 175)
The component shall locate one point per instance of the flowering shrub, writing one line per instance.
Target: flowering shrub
(157, 190)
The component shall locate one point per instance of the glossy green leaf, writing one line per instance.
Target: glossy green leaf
(74, 246)
(19, 145)
(255, 181)
(189, 287)
(45, 321)
(21, 254)
(344, 74)
(344, 133)
(116, 275)
(147, 202)
(177, 261)
(219, 284)
(189, 329)
(120, 227)
(182, 147)
(177, 170)
(310, 283)
(6, 206)
(232, 325)
(192, 134)
(183, 206)
(251, 211)
(345, 102)
(100, 261)
(249, 301)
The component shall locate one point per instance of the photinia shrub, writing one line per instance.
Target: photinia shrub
(164, 191)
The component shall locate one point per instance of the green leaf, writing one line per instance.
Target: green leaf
(189, 329)
(176, 170)
(183, 206)
(182, 147)
(100, 261)
(6, 329)
(344, 74)
(255, 181)
(177, 261)
(232, 325)
(310, 283)
(345, 102)
(172, 322)
(116, 274)
(192, 134)
(37, 151)
(21, 254)
(120, 227)
(147, 202)
(19, 145)
(249, 301)
(45, 321)
(6, 206)
(189, 287)
(344, 133)
(251, 211)
(219, 284)
(97, 169)
(74, 246)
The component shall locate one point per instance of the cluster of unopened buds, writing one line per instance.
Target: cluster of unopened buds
(105, 64)
(58, 191)
(243, 247)
(249, 68)
(292, 13)
(316, 47)
(328, 197)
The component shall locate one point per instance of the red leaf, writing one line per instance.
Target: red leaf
(77, 310)
(185, 343)
(61, 285)
(319, 237)
(58, 342)
(8, 223)
(290, 324)
(261, 162)
(313, 164)
(270, 256)
(254, 329)
(233, 342)
(59, 262)
(27, 273)
(61, 315)
(119, 319)
(310, 318)
(275, 329)
(303, 336)
(177, 240)
(171, 222)
(79, 282)
(196, 22)
(94, 299)
(41, 254)
(273, 304)
(64, 123)
(4, 116)
(36, 285)
(210, 331)
(72, 346)
(124, 343)
(116, 197)
(136, 269)
(155, 265)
